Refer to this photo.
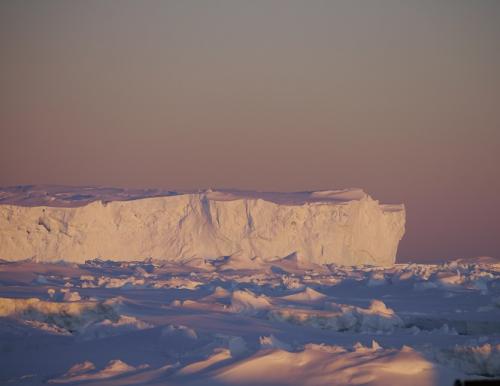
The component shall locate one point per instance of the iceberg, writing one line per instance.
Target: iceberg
(344, 227)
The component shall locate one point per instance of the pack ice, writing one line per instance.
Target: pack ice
(345, 227)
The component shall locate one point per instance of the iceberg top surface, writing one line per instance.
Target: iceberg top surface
(71, 196)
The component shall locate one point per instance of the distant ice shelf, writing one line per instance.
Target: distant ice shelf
(345, 227)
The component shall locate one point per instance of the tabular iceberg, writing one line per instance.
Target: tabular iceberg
(344, 227)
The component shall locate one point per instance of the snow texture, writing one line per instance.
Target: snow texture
(62, 323)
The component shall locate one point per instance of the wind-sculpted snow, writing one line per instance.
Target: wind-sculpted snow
(343, 227)
(83, 372)
(202, 323)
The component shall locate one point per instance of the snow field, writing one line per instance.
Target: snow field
(156, 322)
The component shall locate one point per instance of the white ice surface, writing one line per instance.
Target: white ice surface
(180, 324)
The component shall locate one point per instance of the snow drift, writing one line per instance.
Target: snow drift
(344, 227)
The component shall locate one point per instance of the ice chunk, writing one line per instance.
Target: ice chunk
(376, 318)
(71, 316)
(72, 296)
(376, 278)
(219, 355)
(476, 360)
(179, 330)
(273, 342)
(108, 327)
(246, 302)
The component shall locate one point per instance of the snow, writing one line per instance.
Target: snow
(72, 296)
(344, 227)
(376, 318)
(219, 355)
(307, 295)
(90, 320)
(272, 342)
(204, 324)
(248, 303)
(330, 365)
(82, 372)
(483, 360)
(237, 346)
(71, 316)
(109, 327)
(232, 287)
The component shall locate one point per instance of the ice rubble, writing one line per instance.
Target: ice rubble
(343, 227)
(477, 360)
(247, 302)
(72, 296)
(90, 319)
(376, 318)
(330, 365)
(292, 325)
(71, 316)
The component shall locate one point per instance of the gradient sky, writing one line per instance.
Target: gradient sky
(401, 98)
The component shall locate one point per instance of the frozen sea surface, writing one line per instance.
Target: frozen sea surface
(216, 323)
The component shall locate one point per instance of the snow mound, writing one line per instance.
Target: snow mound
(108, 327)
(181, 330)
(83, 372)
(80, 368)
(220, 293)
(219, 355)
(320, 365)
(308, 295)
(246, 302)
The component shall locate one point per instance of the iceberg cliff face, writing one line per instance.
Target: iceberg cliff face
(343, 227)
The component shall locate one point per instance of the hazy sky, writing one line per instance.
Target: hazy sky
(401, 98)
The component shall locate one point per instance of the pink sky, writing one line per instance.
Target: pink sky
(399, 98)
